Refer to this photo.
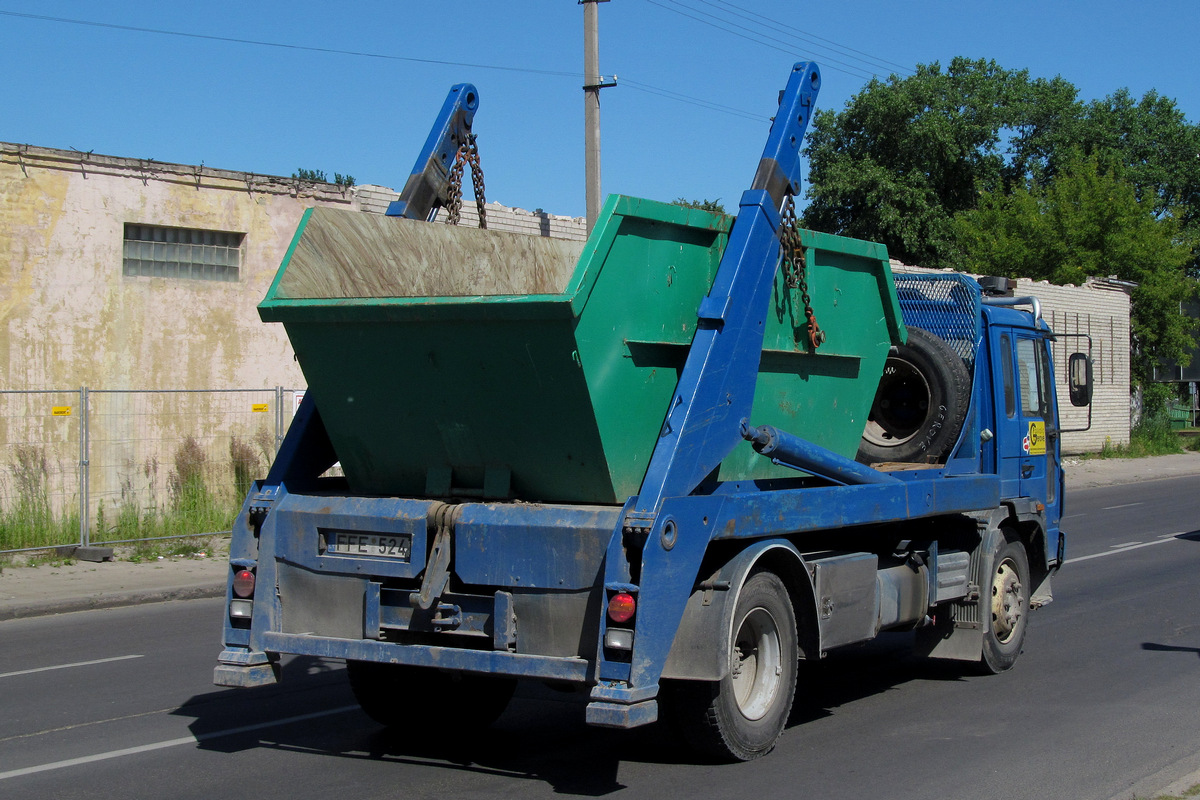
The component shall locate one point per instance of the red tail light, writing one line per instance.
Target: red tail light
(243, 583)
(621, 607)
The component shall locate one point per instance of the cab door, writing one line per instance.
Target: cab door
(1037, 409)
(1027, 420)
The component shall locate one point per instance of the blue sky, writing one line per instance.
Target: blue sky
(272, 110)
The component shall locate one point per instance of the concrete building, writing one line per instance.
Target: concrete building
(129, 274)
(1098, 309)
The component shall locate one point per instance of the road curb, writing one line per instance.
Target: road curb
(42, 608)
(1166, 781)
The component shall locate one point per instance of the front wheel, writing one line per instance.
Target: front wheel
(1005, 607)
(742, 716)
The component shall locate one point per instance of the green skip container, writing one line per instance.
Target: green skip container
(451, 361)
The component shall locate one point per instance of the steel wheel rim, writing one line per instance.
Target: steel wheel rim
(1008, 601)
(887, 426)
(757, 663)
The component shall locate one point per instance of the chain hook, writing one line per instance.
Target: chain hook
(795, 269)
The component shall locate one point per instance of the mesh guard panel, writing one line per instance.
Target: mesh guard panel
(947, 305)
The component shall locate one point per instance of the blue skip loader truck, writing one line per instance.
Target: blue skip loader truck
(659, 467)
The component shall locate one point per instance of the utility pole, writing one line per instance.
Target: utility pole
(592, 84)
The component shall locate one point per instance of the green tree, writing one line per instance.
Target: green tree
(1086, 221)
(1158, 147)
(908, 154)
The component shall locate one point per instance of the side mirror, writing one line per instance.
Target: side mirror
(1079, 378)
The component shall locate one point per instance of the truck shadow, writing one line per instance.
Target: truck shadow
(311, 711)
(541, 737)
(857, 672)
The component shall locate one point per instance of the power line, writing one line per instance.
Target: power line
(632, 84)
(696, 101)
(285, 46)
(724, 25)
(867, 58)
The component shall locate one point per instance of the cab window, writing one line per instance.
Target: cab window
(1006, 370)
(1031, 378)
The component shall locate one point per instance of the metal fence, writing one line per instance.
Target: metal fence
(87, 466)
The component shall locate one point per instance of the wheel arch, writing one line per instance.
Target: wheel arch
(708, 617)
(1022, 517)
(1041, 566)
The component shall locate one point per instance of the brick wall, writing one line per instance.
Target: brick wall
(375, 199)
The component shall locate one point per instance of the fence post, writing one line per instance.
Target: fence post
(278, 416)
(84, 472)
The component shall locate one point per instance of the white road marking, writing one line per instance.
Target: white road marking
(78, 725)
(1163, 540)
(193, 739)
(67, 666)
(1124, 505)
(1123, 544)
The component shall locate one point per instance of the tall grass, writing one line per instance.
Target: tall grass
(202, 495)
(1151, 436)
(198, 499)
(28, 519)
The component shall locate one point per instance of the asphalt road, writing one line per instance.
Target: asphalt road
(118, 704)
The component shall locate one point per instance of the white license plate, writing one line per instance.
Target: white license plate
(379, 545)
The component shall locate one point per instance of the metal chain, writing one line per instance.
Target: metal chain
(454, 207)
(477, 179)
(468, 153)
(795, 270)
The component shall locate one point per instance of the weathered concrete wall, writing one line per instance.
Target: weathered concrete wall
(68, 315)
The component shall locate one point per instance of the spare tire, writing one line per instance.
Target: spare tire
(920, 405)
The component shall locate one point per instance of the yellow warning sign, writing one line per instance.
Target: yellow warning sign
(61, 411)
(1037, 437)
(260, 408)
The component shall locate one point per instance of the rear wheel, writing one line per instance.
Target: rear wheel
(401, 695)
(1005, 607)
(742, 716)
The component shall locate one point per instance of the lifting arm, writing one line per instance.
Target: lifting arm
(426, 189)
(716, 388)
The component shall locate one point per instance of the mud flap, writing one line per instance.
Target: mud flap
(950, 637)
